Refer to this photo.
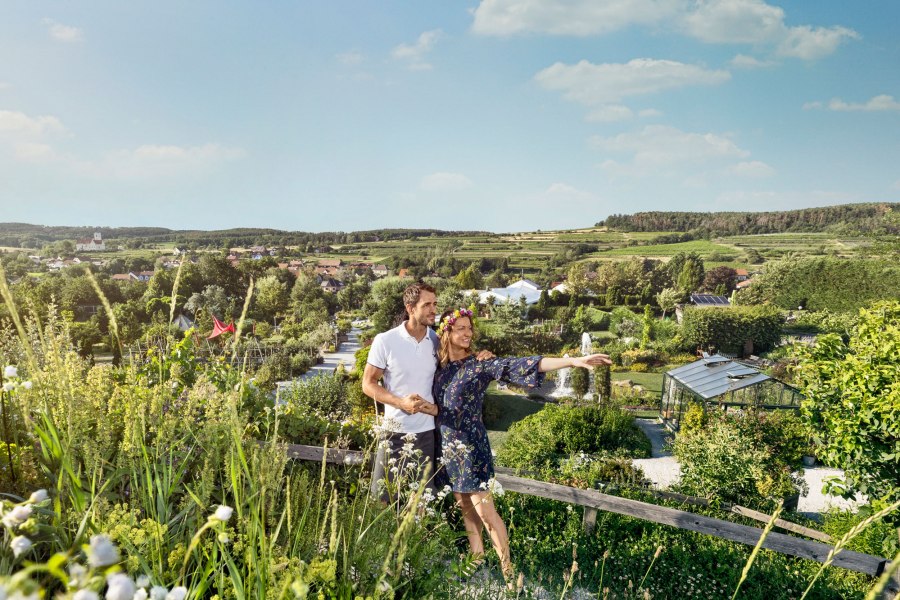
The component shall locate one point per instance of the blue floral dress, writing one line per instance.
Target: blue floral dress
(459, 388)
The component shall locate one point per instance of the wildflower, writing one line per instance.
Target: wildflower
(223, 513)
(20, 544)
(77, 575)
(9, 386)
(158, 592)
(102, 553)
(26, 385)
(121, 587)
(177, 593)
(86, 595)
(38, 496)
(10, 371)
(142, 581)
(17, 515)
(141, 594)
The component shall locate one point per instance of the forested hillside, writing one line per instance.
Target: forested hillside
(873, 218)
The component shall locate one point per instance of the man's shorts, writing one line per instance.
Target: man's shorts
(394, 461)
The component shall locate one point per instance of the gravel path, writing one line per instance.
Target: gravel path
(663, 470)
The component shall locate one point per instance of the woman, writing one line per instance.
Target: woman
(459, 387)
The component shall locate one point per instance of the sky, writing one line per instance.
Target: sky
(497, 115)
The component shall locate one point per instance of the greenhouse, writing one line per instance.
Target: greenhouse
(722, 382)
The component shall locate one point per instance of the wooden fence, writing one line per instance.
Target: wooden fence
(593, 500)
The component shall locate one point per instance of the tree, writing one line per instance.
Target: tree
(271, 297)
(470, 278)
(579, 379)
(667, 299)
(647, 328)
(577, 280)
(852, 395)
(720, 276)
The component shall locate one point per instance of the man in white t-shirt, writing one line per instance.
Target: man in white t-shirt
(406, 358)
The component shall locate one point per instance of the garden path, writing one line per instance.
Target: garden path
(345, 355)
(662, 469)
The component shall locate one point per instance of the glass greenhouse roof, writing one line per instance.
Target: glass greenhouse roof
(716, 375)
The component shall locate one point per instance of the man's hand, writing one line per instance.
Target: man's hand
(411, 404)
(484, 355)
(594, 360)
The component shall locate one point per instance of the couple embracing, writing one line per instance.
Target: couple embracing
(433, 393)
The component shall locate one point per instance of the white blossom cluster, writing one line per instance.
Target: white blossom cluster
(11, 379)
(100, 553)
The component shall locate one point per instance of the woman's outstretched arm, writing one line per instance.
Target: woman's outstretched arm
(552, 364)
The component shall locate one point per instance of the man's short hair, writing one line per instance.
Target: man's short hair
(411, 294)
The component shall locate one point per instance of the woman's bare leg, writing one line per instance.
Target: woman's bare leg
(484, 506)
(472, 522)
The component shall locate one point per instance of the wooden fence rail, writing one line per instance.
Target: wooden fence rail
(592, 501)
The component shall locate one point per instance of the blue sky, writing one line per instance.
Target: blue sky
(500, 115)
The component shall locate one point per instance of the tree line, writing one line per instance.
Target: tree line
(869, 218)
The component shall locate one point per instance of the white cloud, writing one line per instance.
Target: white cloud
(33, 151)
(734, 22)
(4, 86)
(743, 61)
(649, 113)
(810, 43)
(754, 169)
(610, 113)
(568, 17)
(658, 147)
(153, 160)
(445, 182)
(812, 105)
(609, 83)
(712, 21)
(414, 55)
(896, 185)
(20, 123)
(63, 33)
(566, 191)
(877, 103)
(350, 58)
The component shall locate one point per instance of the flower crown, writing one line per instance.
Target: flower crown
(450, 319)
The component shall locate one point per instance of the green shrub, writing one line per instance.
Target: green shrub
(728, 329)
(635, 357)
(557, 432)
(731, 459)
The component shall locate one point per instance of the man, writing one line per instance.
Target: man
(406, 358)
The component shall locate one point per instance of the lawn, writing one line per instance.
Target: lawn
(649, 381)
(512, 408)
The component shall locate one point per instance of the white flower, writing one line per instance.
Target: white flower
(38, 496)
(141, 594)
(177, 593)
(158, 592)
(20, 544)
(102, 553)
(10, 371)
(17, 515)
(142, 581)
(77, 575)
(223, 513)
(9, 386)
(121, 587)
(26, 385)
(85, 595)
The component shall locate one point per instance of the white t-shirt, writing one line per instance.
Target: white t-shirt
(408, 367)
